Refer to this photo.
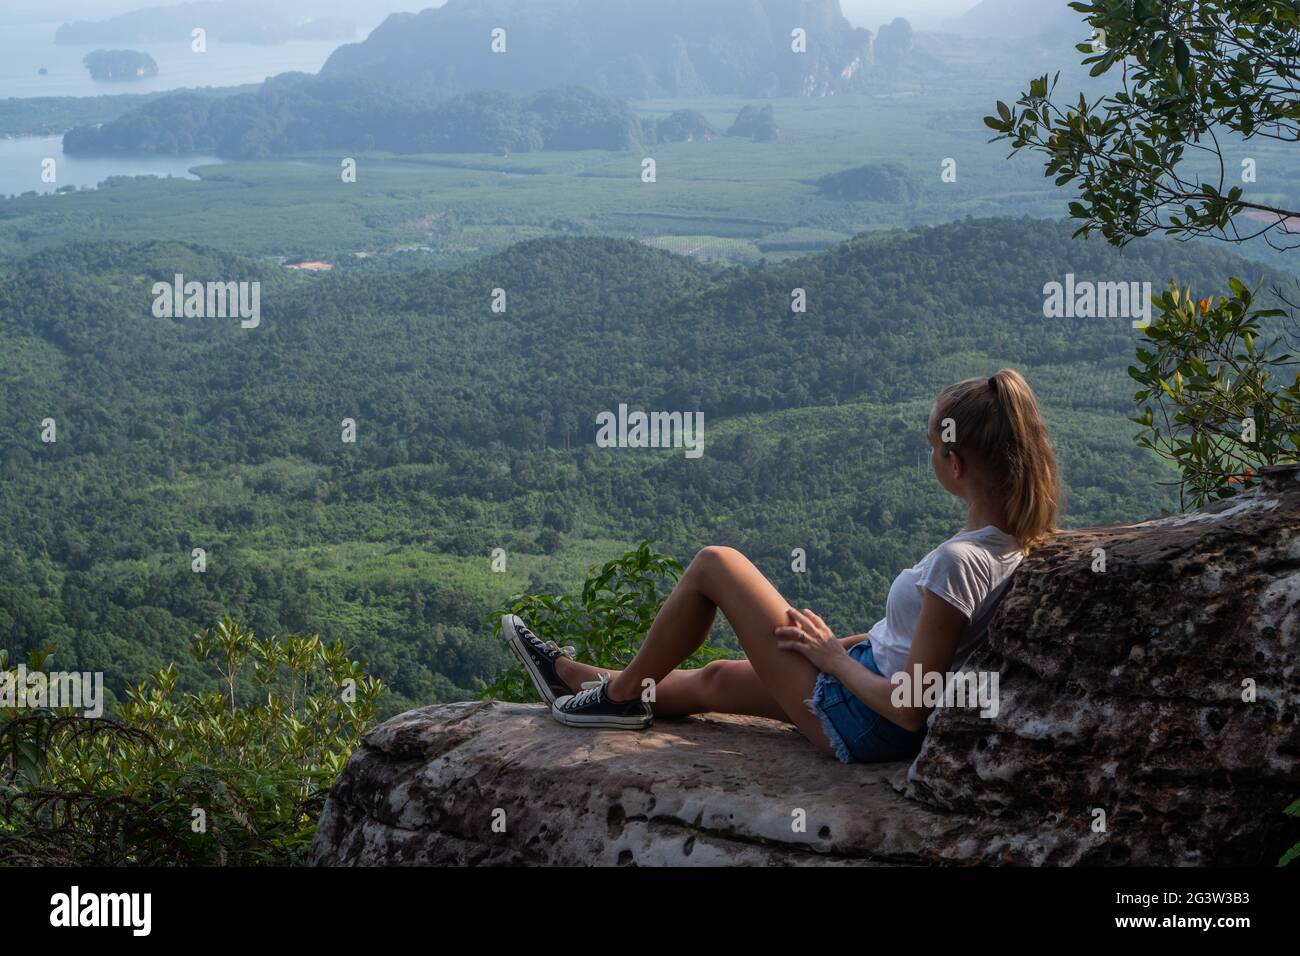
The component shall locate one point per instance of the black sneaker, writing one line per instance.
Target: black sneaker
(538, 658)
(591, 707)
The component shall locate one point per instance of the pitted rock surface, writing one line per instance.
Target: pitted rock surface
(1125, 734)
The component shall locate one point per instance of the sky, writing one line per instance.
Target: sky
(61, 11)
(924, 14)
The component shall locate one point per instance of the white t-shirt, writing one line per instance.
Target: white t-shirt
(970, 571)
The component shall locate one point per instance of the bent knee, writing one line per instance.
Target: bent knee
(716, 556)
(715, 673)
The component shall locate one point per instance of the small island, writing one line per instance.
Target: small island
(119, 65)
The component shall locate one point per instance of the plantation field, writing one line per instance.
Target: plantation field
(450, 208)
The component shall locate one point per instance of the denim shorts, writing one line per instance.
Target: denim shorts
(858, 733)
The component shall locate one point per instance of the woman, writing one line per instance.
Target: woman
(989, 447)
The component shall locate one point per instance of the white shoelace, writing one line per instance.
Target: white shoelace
(568, 650)
(590, 691)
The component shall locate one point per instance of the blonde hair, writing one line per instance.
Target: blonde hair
(1000, 431)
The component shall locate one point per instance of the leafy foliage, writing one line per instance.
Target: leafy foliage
(605, 624)
(1212, 403)
(1292, 854)
(231, 777)
(1197, 76)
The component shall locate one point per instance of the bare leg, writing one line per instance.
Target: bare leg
(722, 687)
(723, 578)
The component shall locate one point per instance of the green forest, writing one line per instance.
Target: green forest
(267, 537)
(295, 113)
(475, 431)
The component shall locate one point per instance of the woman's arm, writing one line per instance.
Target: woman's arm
(854, 639)
(938, 631)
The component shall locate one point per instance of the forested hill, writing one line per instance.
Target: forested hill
(669, 48)
(295, 112)
(475, 431)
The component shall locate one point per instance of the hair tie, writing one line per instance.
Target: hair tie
(993, 382)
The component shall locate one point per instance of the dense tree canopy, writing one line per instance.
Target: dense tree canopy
(476, 431)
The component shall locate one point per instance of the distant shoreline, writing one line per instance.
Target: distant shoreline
(22, 116)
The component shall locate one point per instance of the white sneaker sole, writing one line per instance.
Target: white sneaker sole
(605, 721)
(515, 642)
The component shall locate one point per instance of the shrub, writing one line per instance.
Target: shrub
(605, 624)
(233, 777)
(1214, 404)
(1212, 400)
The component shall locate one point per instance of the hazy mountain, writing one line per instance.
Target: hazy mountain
(52, 11)
(1013, 18)
(621, 47)
(923, 14)
(233, 21)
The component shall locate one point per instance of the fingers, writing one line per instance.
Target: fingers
(809, 621)
(802, 620)
(795, 639)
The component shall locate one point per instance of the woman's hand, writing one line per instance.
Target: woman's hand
(808, 634)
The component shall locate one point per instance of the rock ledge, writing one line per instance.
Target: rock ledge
(1121, 703)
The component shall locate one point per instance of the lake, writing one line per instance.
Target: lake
(26, 48)
(21, 163)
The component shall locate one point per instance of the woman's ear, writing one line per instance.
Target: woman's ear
(955, 465)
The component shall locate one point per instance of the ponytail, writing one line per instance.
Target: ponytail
(1000, 431)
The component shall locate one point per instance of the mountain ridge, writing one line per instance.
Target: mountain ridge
(624, 48)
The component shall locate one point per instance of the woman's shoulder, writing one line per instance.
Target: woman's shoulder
(988, 547)
(969, 566)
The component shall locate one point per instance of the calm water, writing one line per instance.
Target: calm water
(24, 49)
(21, 163)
